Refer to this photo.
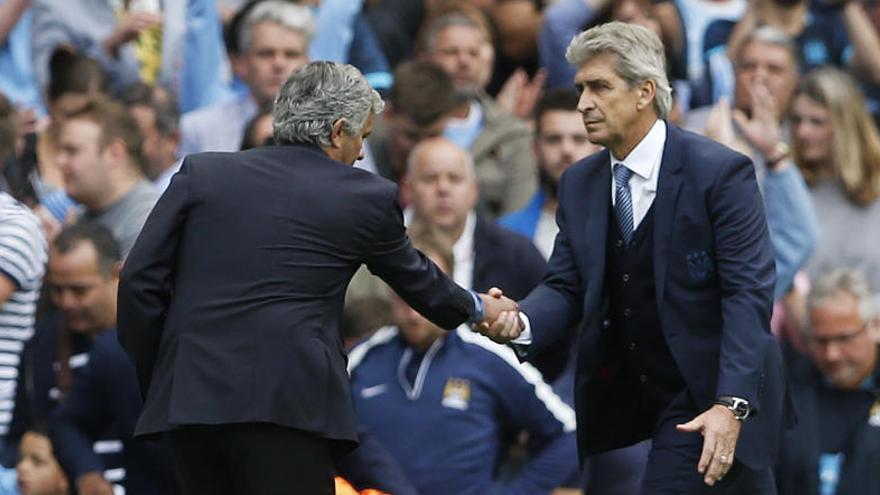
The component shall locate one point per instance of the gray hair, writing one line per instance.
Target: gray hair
(769, 35)
(846, 280)
(290, 15)
(316, 96)
(640, 57)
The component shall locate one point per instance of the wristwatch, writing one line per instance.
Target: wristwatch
(739, 407)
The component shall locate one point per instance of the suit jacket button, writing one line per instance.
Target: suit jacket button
(626, 312)
(626, 277)
(619, 243)
(632, 347)
(643, 378)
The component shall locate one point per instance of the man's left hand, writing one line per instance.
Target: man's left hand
(720, 432)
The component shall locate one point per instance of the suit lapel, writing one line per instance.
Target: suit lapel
(482, 245)
(598, 201)
(665, 202)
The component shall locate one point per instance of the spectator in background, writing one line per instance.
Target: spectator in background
(443, 193)
(517, 82)
(766, 75)
(22, 265)
(155, 111)
(75, 79)
(105, 395)
(38, 470)
(460, 42)
(83, 276)
(419, 106)
(100, 157)
(175, 43)
(566, 18)
(16, 66)
(258, 132)
(831, 32)
(835, 447)
(468, 389)
(560, 140)
(837, 147)
(273, 42)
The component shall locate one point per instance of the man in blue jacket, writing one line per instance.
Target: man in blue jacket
(440, 402)
(663, 250)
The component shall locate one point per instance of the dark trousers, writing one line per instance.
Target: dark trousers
(251, 459)
(672, 462)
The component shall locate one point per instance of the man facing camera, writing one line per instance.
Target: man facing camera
(663, 251)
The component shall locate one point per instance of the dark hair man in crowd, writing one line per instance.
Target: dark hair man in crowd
(560, 141)
(419, 105)
(101, 160)
(155, 110)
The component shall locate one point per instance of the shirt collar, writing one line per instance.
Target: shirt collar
(464, 247)
(645, 156)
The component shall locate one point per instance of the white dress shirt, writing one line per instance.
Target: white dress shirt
(463, 254)
(644, 160)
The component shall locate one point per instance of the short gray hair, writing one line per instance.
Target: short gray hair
(290, 15)
(317, 95)
(640, 57)
(846, 280)
(769, 35)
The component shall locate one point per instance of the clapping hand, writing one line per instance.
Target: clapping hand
(501, 321)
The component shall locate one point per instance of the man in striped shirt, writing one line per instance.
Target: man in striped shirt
(22, 265)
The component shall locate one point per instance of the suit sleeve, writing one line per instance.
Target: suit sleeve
(792, 221)
(745, 264)
(555, 306)
(146, 283)
(412, 275)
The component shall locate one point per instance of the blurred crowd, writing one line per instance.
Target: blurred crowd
(101, 101)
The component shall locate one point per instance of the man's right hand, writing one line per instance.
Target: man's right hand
(501, 321)
(93, 483)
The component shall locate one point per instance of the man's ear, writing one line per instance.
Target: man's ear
(647, 93)
(337, 132)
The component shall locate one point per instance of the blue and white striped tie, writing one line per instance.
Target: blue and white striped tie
(623, 201)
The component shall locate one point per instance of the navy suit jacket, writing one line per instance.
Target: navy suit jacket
(714, 278)
(230, 300)
(505, 259)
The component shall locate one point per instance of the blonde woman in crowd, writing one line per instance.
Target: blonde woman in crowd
(836, 144)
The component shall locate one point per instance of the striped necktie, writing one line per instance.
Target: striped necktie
(623, 201)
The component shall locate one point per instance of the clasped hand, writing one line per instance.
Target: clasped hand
(501, 321)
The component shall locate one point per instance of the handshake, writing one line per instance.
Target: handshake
(501, 321)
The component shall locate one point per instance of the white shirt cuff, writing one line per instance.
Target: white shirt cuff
(525, 338)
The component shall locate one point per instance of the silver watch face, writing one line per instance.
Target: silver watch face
(740, 409)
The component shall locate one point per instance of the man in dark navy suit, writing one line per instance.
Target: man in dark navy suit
(231, 299)
(663, 250)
